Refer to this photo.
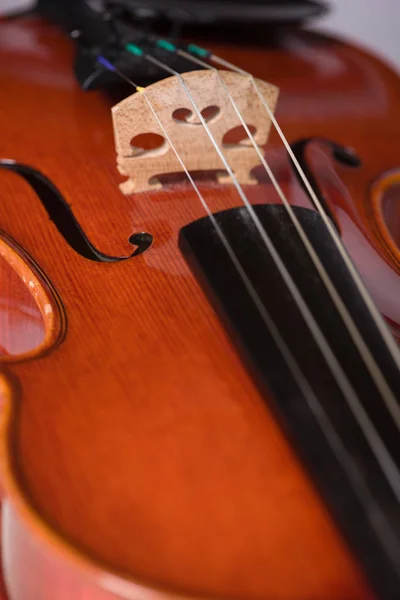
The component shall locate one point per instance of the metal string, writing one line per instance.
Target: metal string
(379, 322)
(378, 519)
(341, 378)
(373, 368)
(383, 456)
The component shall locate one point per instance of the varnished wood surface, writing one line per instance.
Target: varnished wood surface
(138, 455)
(32, 319)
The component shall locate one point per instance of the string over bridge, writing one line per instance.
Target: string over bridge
(132, 118)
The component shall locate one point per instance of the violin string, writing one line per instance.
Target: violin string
(372, 366)
(377, 318)
(382, 454)
(377, 517)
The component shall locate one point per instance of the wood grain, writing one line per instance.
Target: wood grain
(32, 320)
(138, 458)
(133, 117)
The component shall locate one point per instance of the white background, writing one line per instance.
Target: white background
(373, 23)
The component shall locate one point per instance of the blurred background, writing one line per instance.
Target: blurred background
(372, 23)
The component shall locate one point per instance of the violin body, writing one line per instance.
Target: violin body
(139, 458)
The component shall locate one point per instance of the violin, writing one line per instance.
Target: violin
(199, 325)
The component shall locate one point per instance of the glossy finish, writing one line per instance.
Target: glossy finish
(22, 316)
(138, 455)
(59, 211)
(385, 212)
(31, 317)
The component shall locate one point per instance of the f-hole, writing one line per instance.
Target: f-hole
(64, 219)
